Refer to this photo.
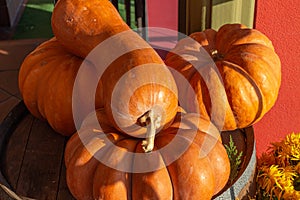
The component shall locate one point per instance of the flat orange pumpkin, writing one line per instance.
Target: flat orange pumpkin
(102, 163)
(46, 80)
(234, 75)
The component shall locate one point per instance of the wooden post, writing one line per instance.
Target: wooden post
(115, 3)
(194, 15)
(128, 10)
(140, 13)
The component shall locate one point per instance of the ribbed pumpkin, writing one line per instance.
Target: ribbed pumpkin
(135, 78)
(234, 73)
(188, 162)
(46, 80)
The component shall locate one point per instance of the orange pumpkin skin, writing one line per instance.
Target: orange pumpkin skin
(46, 80)
(136, 80)
(80, 25)
(248, 76)
(193, 175)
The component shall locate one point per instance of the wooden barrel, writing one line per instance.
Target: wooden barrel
(32, 163)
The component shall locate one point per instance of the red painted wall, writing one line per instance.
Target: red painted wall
(280, 21)
(163, 14)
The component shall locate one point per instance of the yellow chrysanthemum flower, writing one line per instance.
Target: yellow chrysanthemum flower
(297, 168)
(266, 159)
(279, 169)
(269, 179)
(291, 195)
(287, 151)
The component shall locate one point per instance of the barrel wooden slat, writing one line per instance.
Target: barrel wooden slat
(64, 192)
(40, 171)
(17, 145)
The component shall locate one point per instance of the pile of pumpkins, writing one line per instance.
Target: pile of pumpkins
(139, 107)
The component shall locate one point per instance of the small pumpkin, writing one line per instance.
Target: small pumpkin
(188, 161)
(46, 80)
(135, 78)
(234, 74)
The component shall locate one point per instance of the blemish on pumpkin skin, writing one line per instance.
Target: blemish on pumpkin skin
(43, 63)
(69, 20)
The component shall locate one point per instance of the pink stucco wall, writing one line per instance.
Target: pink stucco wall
(280, 21)
(162, 13)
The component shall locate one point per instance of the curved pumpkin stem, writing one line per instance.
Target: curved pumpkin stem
(152, 122)
(216, 56)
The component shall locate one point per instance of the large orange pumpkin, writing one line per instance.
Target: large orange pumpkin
(135, 78)
(46, 80)
(234, 73)
(188, 162)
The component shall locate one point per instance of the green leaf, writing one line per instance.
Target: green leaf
(234, 158)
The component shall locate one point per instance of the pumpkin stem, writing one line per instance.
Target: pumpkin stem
(152, 122)
(216, 55)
